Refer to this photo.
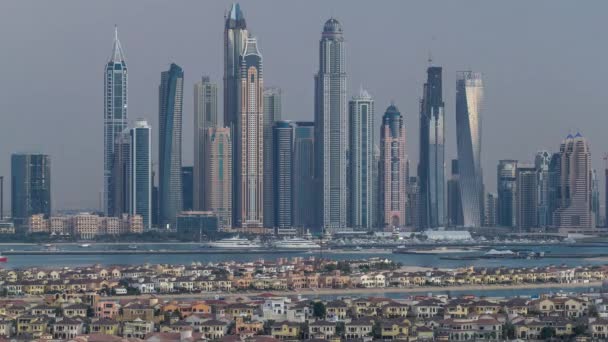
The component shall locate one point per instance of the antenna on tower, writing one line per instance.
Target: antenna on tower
(430, 59)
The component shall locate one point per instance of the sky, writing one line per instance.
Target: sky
(543, 63)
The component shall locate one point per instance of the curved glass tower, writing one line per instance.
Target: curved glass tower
(235, 36)
(330, 128)
(115, 114)
(469, 106)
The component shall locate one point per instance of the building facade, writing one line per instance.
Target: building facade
(491, 210)
(272, 114)
(431, 167)
(506, 177)
(115, 113)
(30, 186)
(170, 144)
(218, 178)
(469, 107)
(361, 161)
(283, 174)
(331, 128)
(205, 117)
(393, 169)
(304, 200)
(140, 172)
(249, 140)
(542, 161)
(119, 182)
(454, 200)
(187, 188)
(527, 198)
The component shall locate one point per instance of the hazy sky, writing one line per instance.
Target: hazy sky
(544, 66)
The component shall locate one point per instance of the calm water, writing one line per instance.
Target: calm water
(426, 260)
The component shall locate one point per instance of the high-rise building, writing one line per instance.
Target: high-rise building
(119, 182)
(542, 161)
(170, 93)
(331, 128)
(595, 198)
(283, 174)
(30, 186)
(411, 207)
(205, 117)
(431, 167)
(218, 178)
(506, 178)
(574, 213)
(272, 114)
(361, 161)
(454, 201)
(554, 196)
(526, 198)
(469, 107)
(140, 172)
(249, 140)
(235, 36)
(115, 113)
(304, 204)
(187, 187)
(393, 169)
(491, 210)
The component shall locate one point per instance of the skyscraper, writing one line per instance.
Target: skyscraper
(506, 178)
(331, 128)
(249, 140)
(119, 182)
(574, 213)
(115, 113)
(30, 186)
(491, 209)
(595, 198)
(393, 169)
(304, 203)
(431, 167)
(205, 117)
(554, 186)
(272, 114)
(469, 107)
(218, 178)
(235, 36)
(140, 172)
(454, 201)
(527, 198)
(170, 93)
(361, 161)
(542, 161)
(283, 174)
(187, 187)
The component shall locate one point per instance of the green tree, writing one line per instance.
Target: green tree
(340, 329)
(319, 310)
(547, 333)
(508, 331)
(579, 329)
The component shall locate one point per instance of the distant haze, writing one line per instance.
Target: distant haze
(544, 67)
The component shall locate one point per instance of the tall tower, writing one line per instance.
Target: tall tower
(249, 140)
(431, 167)
(218, 175)
(115, 114)
(331, 128)
(272, 114)
(506, 178)
(205, 117)
(283, 174)
(393, 169)
(140, 172)
(526, 198)
(542, 161)
(361, 160)
(454, 201)
(469, 106)
(574, 213)
(119, 182)
(170, 94)
(30, 186)
(235, 36)
(304, 200)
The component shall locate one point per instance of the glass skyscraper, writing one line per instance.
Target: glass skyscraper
(542, 161)
(272, 114)
(469, 107)
(205, 117)
(30, 186)
(218, 175)
(431, 167)
(506, 177)
(115, 113)
(361, 159)
(304, 200)
(235, 36)
(331, 128)
(283, 174)
(140, 199)
(170, 103)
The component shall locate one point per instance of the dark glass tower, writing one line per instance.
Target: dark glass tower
(283, 174)
(304, 204)
(30, 186)
(187, 185)
(170, 144)
(431, 167)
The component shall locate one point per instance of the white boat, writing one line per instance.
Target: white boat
(85, 245)
(296, 243)
(234, 242)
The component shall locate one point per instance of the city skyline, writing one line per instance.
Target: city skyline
(410, 77)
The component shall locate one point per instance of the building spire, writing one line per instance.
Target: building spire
(117, 54)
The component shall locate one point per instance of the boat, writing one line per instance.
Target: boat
(296, 244)
(85, 245)
(234, 242)
(132, 246)
(3, 258)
